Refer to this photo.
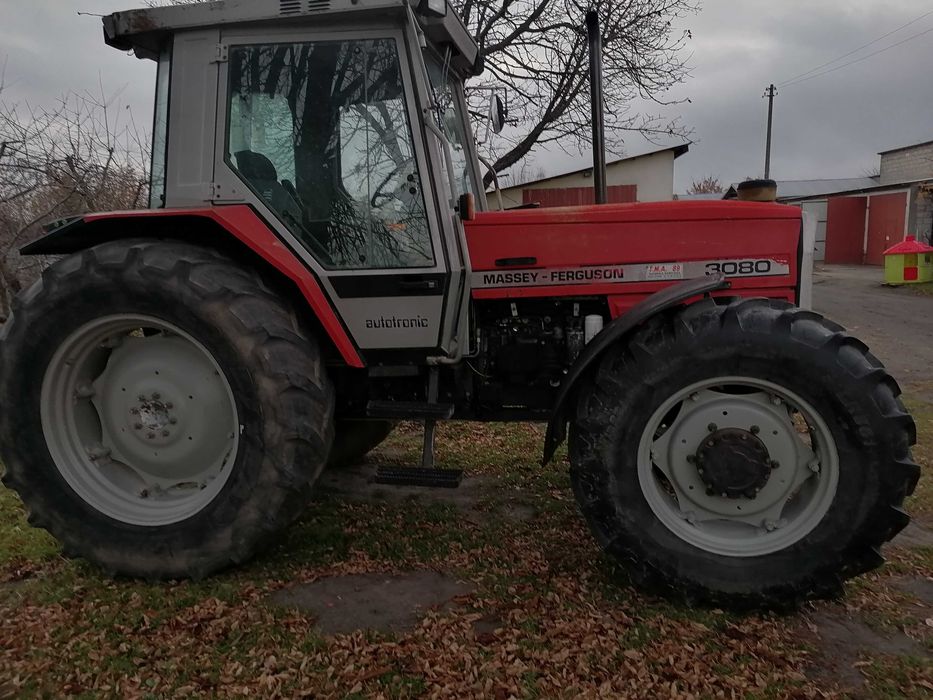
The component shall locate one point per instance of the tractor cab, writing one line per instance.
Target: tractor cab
(343, 124)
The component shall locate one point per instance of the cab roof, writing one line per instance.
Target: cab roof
(145, 30)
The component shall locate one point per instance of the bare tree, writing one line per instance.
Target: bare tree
(536, 51)
(708, 185)
(82, 154)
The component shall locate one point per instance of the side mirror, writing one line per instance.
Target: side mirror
(432, 8)
(496, 113)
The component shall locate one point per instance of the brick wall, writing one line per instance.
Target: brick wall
(907, 164)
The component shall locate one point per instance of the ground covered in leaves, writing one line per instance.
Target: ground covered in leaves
(536, 610)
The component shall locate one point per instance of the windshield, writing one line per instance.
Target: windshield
(453, 121)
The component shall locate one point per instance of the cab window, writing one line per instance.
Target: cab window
(320, 131)
(452, 120)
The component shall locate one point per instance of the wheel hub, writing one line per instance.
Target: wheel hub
(151, 416)
(733, 463)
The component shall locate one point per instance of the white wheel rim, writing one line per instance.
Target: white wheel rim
(797, 493)
(139, 419)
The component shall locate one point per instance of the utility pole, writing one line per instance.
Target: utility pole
(769, 93)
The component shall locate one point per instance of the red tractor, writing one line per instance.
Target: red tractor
(319, 261)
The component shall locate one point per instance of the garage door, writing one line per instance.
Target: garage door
(886, 225)
(845, 230)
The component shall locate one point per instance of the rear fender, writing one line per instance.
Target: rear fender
(236, 229)
(667, 298)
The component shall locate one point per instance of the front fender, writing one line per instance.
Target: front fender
(667, 298)
(218, 227)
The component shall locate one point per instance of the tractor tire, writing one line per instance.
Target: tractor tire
(747, 456)
(354, 439)
(171, 412)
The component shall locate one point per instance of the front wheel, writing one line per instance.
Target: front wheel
(354, 439)
(165, 412)
(744, 455)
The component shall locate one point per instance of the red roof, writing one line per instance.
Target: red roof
(908, 245)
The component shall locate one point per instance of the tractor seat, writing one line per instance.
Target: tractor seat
(260, 173)
(283, 198)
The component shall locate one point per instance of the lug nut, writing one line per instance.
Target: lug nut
(141, 397)
(156, 395)
(775, 464)
(150, 435)
(770, 525)
(165, 433)
(710, 443)
(755, 430)
(700, 472)
(134, 411)
(169, 404)
(173, 420)
(712, 427)
(776, 400)
(743, 437)
(692, 459)
(138, 426)
(814, 466)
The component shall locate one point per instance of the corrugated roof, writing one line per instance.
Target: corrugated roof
(796, 189)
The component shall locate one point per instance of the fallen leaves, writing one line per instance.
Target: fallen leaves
(545, 618)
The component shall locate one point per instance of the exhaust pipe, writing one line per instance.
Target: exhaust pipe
(595, 42)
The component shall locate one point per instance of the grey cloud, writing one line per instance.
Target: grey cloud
(827, 127)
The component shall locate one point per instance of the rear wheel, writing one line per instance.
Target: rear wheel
(745, 455)
(172, 413)
(354, 439)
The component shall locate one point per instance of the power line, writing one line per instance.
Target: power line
(855, 51)
(858, 60)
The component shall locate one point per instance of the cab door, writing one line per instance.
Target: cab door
(319, 132)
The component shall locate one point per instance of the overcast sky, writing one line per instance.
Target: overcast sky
(830, 126)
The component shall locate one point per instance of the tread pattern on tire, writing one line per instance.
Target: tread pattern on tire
(597, 408)
(296, 407)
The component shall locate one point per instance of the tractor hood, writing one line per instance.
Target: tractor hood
(633, 248)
